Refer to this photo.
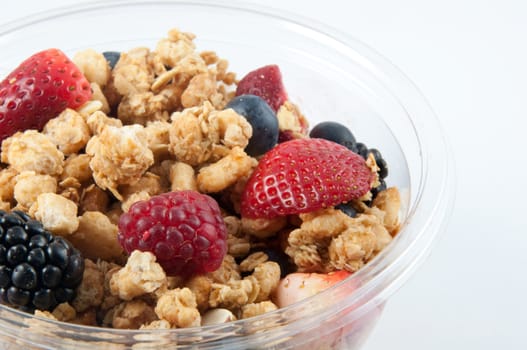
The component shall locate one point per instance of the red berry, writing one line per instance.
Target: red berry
(304, 175)
(39, 89)
(265, 82)
(184, 230)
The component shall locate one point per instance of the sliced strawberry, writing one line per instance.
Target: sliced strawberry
(265, 82)
(298, 286)
(304, 175)
(39, 89)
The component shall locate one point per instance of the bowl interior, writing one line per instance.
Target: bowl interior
(329, 78)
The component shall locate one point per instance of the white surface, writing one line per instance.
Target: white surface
(469, 58)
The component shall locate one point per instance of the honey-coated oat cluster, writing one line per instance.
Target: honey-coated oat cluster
(157, 123)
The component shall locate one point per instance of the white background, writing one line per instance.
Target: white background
(469, 57)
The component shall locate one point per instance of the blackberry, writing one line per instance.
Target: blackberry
(37, 269)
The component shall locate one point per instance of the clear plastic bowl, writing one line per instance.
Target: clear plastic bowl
(331, 77)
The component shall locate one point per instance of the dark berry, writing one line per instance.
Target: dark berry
(362, 150)
(347, 209)
(285, 135)
(34, 227)
(281, 258)
(15, 235)
(36, 257)
(24, 277)
(335, 132)
(184, 230)
(262, 119)
(37, 269)
(43, 298)
(383, 168)
(17, 296)
(9, 220)
(5, 276)
(112, 57)
(380, 188)
(24, 216)
(16, 254)
(58, 253)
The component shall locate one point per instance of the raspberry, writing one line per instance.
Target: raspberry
(184, 230)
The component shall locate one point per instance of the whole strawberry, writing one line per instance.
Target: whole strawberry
(184, 230)
(39, 89)
(304, 175)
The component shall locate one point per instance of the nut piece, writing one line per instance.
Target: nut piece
(217, 316)
(57, 214)
(96, 237)
(182, 177)
(141, 275)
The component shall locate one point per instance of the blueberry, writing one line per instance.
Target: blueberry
(281, 258)
(335, 132)
(347, 209)
(262, 119)
(112, 57)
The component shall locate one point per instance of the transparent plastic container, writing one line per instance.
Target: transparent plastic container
(331, 77)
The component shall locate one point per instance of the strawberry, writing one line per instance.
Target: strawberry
(39, 89)
(298, 286)
(304, 175)
(266, 83)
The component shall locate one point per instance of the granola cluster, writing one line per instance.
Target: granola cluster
(157, 123)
